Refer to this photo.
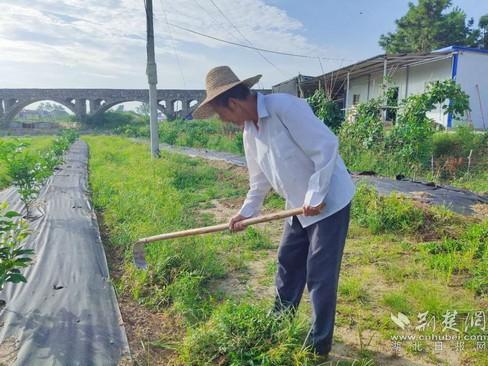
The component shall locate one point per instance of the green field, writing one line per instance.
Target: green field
(210, 294)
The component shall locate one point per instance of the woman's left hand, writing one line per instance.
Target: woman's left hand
(312, 211)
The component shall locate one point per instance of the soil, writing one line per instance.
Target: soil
(481, 210)
(8, 351)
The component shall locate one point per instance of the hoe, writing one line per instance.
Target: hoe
(138, 251)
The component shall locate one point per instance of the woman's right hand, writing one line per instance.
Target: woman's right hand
(235, 223)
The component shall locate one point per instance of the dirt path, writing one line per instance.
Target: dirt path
(151, 334)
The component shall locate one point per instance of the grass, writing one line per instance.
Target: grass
(467, 254)
(35, 144)
(210, 134)
(399, 279)
(138, 198)
(393, 213)
(397, 259)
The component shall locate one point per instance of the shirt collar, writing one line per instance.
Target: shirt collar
(262, 111)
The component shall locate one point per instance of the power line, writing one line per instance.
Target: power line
(216, 22)
(172, 43)
(245, 38)
(256, 48)
(321, 66)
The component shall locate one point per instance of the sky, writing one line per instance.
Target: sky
(101, 43)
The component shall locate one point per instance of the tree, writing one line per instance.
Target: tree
(143, 109)
(483, 25)
(44, 107)
(428, 26)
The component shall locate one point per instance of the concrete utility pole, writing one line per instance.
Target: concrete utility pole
(152, 78)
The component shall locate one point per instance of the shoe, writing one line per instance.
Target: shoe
(272, 313)
(319, 349)
(280, 314)
(323, 358)
(280, 309)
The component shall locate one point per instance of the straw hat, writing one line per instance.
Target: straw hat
(219, 80)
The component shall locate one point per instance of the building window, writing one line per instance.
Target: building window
(355, 99)
(392, 103)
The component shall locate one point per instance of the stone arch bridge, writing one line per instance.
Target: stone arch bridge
(92, 102)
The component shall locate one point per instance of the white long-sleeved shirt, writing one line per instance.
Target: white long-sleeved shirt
(296, 154)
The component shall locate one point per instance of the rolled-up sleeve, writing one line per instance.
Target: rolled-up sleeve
(259, 185)
(317, 141)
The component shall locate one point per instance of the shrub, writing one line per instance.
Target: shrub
(460, 142)
(28, 175)
(459, 152)
(239, 143)
(408, 147)
(13, 257)
(366, 130)
(326, 109)
(210, 134)
(411, 138)
(447, 144)
(112, 119)
(167, 133)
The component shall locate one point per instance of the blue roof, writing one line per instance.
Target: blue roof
(461, 48)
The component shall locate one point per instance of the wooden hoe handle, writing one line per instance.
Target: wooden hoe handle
(138, 250)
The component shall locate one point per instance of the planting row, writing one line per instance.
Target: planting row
(26, 169)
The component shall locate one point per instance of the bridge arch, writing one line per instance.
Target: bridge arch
(13, 110)
(107, 105)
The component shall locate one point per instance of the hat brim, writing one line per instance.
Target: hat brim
(205, 110)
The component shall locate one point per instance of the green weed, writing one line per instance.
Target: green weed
(393, 213)
(353, 289)
(468, 254)
(243, 334)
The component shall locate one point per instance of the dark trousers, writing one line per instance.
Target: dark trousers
(313, 256)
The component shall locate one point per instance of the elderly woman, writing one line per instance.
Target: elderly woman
(289, 149)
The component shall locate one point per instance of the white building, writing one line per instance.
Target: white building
(409, 74)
